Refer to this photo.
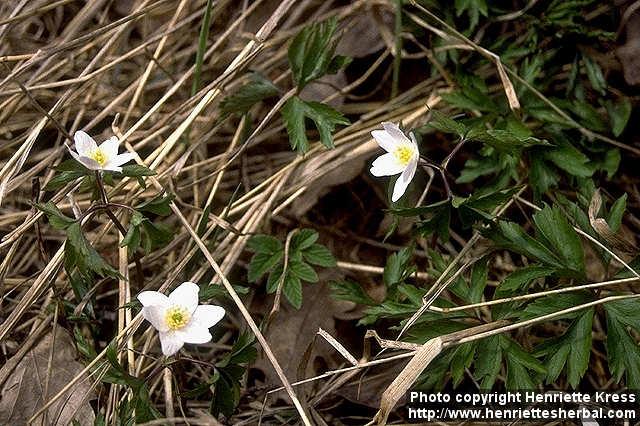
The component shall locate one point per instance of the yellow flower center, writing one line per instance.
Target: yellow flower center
(176, 317)
(99, 156)
(403, 154)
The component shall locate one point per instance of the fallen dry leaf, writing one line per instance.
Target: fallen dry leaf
(629, 53)
(292, 330)
(22, 394)
(617, 240)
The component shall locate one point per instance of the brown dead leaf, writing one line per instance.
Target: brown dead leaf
(367, 32)
(22, 394)
(292, 331)
(629, 53)
(617, 240)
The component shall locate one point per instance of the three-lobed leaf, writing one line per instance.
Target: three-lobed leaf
(295, 111)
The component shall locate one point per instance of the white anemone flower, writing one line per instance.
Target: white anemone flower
(401, 158)
(178, 318)
(103, 157)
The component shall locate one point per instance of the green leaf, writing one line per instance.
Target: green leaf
(264, 244)
(155, 235)
(568, 158)
(462, 359)
(590, 117)
(70, 170)
(572, 349)
(488, 362)
(474, 9)
(258, 89)
(625, 311)
(594, 73)
(478, 280)
(57, 219)
(553, 227)
(555, 303)
(623, 353)
(158, 205)
(137, 171)
(302, 270)
(303, 239)
(133, 237)
(518, 281)
(84, 256)
(445, 124)
(518, 363)
(397, 268)
(311, 52)
(617, 211)
(324, 117)
(318, 254)
(293, 290)
(511, 236)
(352, 292)
(619, 114)
(261, 263)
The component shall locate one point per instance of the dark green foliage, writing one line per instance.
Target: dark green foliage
(258, 89)
(311, 53)
(325, 118)
(270, 257)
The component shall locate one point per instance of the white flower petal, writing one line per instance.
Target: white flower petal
(155, 314)
(153, 298)
(119, 160)
(89, 163)
(385, 140)
(394, 130)
(386, 165)
(84, 143)
(207, 316)
(403, 180)
(194, 333)
(414, 142)
(171, 342)
(110, 147)
(186, 295)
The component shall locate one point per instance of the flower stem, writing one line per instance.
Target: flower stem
(114, 219)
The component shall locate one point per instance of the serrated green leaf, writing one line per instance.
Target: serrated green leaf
(325, 118)
(312, 51)
(261, 263)
(594, 73)
(553, 228)
(555, 303)
(568, 158)
(617, 211)
(155, 235)
(478, 280)
(158, 205)
(445, 124)
(57, 219)
(302, 270)
(619, 114)
(488, 362)
(623, 353)
(258, 89)
(264, 244)
(519, 280)
(317, 254)
(137, 170)
(351, 291)
(303, 239)
(293, 290)
(84, 256)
